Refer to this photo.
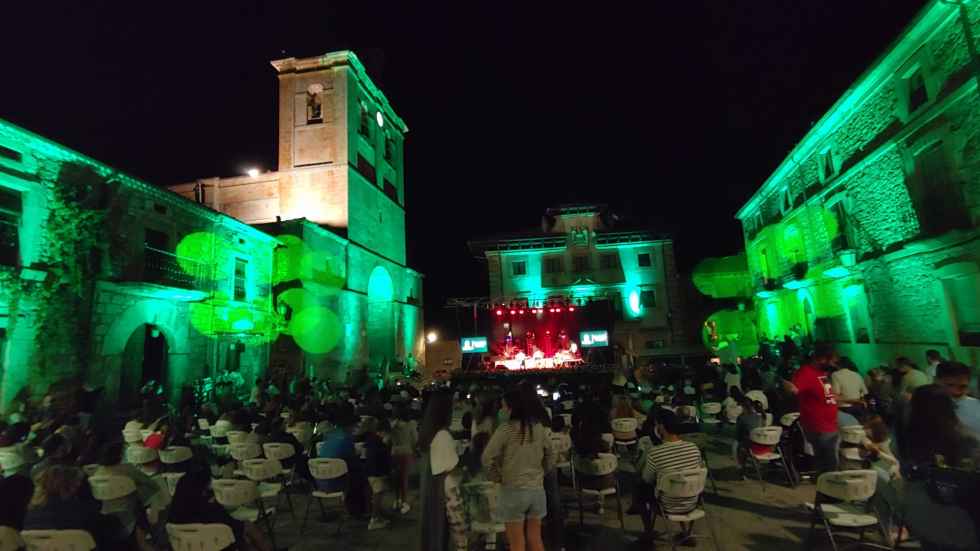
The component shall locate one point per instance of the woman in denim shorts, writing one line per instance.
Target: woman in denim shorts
(518, 456)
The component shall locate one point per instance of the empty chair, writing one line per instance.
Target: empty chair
(200, 537)
(768, 437)
(480, 512)
(324, 469)
(851, 491)
(280, 452)
(243, 451)
(710, 412)
(58, 540)
(605, 465)
(138, 455)
(265, 472)
(673, 486)
(173, 455)
(241, 498)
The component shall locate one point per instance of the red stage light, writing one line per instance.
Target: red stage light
(521, 312)
(558, 310)
(512, 312)
(500, 312)
(571, 308)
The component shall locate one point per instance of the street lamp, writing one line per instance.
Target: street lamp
(431, 337)
(252, 172)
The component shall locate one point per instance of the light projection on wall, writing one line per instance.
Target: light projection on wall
(238, 303)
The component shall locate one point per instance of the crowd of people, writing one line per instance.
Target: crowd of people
(497, 452)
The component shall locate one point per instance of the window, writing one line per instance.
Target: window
(389, 148)
(10, 154)
(643, 259)
(364, 129)
(552, 265)
(390, 190)
(961, 292)
(935, 194)
(518, 267)
(241, 270)
(827, 167)
(156, 239)
(366, 169)
(609, 261)
(916, 89)
(314, 109)
(842, 240)
(580, 264)
(648, 298)
(10, 213)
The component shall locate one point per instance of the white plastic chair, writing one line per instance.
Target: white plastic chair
(172, 455)
(138, 455)
(768, 436)
(481, 518)
(171, 479)
(561, 446)
(625, 425)
(112, 491)
(132, 436)
(684, 484)
(610, 464)
(326, 469)
(236, 437)
(280, 452)
(710, 412)
(852, 434)
(204, 424)
(243, 451)
(58, 540)
(758, 396)
(609, 439)
(788, 419)
(241, 498)
(263, 471)
(852, 490)
(200, 537)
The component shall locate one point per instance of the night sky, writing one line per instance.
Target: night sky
(672, 114)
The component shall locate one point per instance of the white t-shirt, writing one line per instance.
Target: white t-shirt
(442, 453)
(847, 384)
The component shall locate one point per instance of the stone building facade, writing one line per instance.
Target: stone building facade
(625, 279)
(339, 189)
(866, 234)
(102, 279)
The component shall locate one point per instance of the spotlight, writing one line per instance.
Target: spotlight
(431, 337)
(558, 310)
(521, 312)
(500, 312)
(512, 312)
(571, 308)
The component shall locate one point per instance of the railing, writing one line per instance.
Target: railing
(165, 268)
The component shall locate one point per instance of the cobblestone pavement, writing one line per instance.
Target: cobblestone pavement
(741, 515)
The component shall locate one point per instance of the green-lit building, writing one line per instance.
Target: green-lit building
(626, 280)
(339, 196)
(866, 233)
(109, 280)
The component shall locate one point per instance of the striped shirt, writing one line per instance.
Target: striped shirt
(678, 455)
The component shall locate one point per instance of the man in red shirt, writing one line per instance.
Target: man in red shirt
(818, 405)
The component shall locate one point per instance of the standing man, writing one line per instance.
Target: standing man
(912, 378)
(954, 377)
(849, 388)
(933, 359)
(818, 405)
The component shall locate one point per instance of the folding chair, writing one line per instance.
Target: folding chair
(236, 437)
(850, 448)
(242, 452)
(327, 469)
(281, 452)
(685, 484)
(12, 462)
(58, 540)
(241, 498)
(132, 436)
(608, 465)
(624, 425)
(710, 412)
(768, 436)
(113, 491)
(852, 491)
(480, 511)
(561, 446)
(174, 455)
(262, 471)
(10, 540)
(200, 537)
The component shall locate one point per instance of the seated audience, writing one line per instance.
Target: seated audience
(194, 504)
(955, 378)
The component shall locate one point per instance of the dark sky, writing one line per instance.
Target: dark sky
(673, 114)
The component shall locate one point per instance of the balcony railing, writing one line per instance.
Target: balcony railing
(165, 268)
